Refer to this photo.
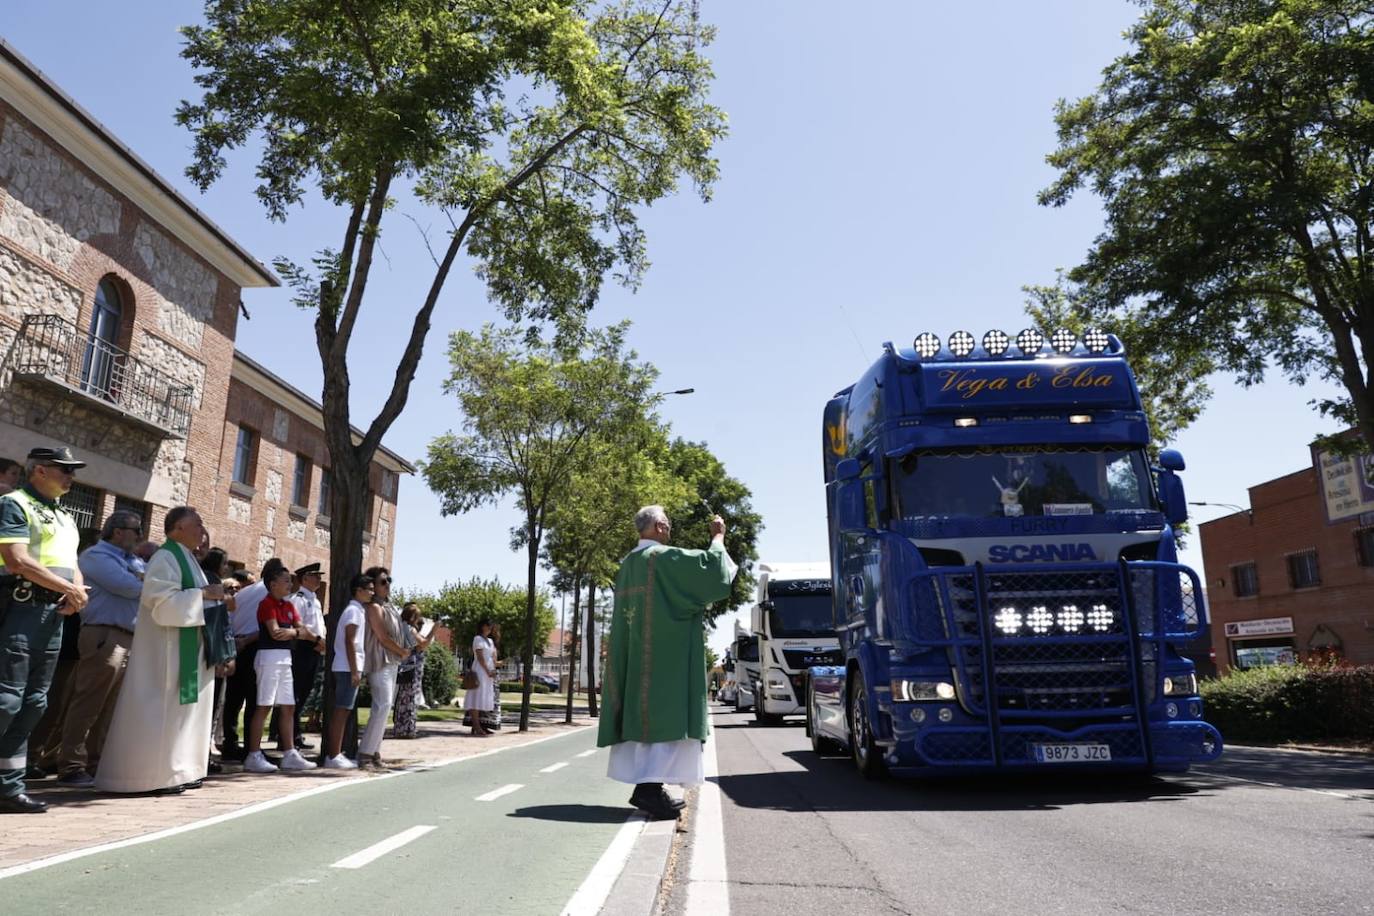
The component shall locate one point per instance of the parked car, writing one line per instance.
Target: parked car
(548, 680)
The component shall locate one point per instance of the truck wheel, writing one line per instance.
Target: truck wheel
(821, 746)
(766, 719)
(868, 757)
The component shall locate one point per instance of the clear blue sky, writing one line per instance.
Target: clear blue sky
(879, 180)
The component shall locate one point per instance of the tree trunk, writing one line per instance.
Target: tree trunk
(576, 630)
(592, 657)
(348, 515)
(533, 569)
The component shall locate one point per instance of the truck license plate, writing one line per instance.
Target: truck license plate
(1071, 753)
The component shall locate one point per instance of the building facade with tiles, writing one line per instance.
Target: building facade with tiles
(119, 304)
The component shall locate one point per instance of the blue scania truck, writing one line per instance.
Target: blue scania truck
(1005, 580)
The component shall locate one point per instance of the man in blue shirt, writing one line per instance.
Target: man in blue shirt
(115, 577)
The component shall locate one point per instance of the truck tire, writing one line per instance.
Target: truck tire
(821, 746)
(766, 719)
(868, 756)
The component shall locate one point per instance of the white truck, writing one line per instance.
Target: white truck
(795, 631)
(744, 662)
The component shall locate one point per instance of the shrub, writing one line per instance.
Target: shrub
(440, 679)
(1292, 703)
(518, 687)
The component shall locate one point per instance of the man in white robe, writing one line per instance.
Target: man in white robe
(159, 736)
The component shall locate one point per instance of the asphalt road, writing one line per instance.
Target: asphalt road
(511, 833)
(1260, 831)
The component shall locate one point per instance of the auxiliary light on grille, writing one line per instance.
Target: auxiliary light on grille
(1100, 618)
(1070, 618)
(1008, 620)
(1040, 619)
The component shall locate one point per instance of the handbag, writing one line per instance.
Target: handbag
(470, 681)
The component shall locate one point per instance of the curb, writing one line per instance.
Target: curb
(636, 891)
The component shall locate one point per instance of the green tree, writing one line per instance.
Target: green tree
(715, 492)
(1172, 378)
(591, 528)
(529, 416)
(461, 606)
(535, 128)
(1231, 147)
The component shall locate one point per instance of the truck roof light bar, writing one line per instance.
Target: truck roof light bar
(1030, 341)
(995, 342)
(926, 345)
(1063, 340)
(961, 343)
(1096, 340)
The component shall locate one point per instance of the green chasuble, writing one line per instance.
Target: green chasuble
(654, 688)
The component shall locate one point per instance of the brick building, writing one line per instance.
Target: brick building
(119, 303)
(1286, 583)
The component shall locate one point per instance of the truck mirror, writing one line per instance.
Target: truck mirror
(849, 505)
(1171, 459)
(1172, 496)
(756, 619)
(848, 469)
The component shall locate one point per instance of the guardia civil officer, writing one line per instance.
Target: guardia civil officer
(39, 585)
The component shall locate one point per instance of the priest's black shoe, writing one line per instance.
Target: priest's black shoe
(676, 804)
(21, 804)
(169, 790)
(653, 801)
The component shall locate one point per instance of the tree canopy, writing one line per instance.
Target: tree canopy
(529, 415)
(460, 606)
(1231, 148)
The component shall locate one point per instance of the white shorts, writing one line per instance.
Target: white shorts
(275, 685)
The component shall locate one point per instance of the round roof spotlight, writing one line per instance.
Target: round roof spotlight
(926, 345)
(995, 343)
(1096, 340)
(1063, 340)
(961, 343)
(1030, 341)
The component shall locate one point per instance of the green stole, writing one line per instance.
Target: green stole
(188, 650)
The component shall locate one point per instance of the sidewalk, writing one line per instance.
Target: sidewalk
(81, 818)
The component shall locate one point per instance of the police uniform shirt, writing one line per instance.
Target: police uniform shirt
(44, 527)
(308, 606)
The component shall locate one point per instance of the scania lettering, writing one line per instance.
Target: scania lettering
(792, 623)
(1006, 585)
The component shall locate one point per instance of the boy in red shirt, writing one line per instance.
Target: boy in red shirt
(279, 626)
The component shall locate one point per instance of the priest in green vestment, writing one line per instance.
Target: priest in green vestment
(654, 690)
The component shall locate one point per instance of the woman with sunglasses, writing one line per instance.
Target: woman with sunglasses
(386, 644)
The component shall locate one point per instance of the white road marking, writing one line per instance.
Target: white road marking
(708, 890)
(1279, 785)
(494, 794)
(331, 786)
(588, 898)
(377, 850)
(555, 768)
(587, 753)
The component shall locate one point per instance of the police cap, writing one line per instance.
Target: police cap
(309, 569)
(59, 456)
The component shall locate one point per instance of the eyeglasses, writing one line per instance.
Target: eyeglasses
(383, 581)
(70, 472)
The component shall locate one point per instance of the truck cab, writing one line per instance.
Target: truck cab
(1006, 582)
(745, 650)
(793, 625)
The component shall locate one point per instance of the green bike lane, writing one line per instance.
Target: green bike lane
(526, 851)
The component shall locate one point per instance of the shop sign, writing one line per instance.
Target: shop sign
(1269, 626)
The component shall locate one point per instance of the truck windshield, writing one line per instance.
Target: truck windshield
(798, 615)
(747, 650)
(1021, 481)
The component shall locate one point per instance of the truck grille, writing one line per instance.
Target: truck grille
(1058, 641)
(801, 659)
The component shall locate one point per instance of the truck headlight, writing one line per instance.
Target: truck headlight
(1180, 685)
(905, 691)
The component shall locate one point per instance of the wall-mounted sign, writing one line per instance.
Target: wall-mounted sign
(1347, 484)
(1268, 626)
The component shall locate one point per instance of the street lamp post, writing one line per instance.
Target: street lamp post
(1249, 513)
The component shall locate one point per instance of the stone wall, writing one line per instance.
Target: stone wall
(185, 288)
(27, 290)
(50, 207)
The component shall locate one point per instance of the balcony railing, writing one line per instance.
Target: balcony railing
(52, 350)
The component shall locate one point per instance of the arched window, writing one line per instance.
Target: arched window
(98, 369)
